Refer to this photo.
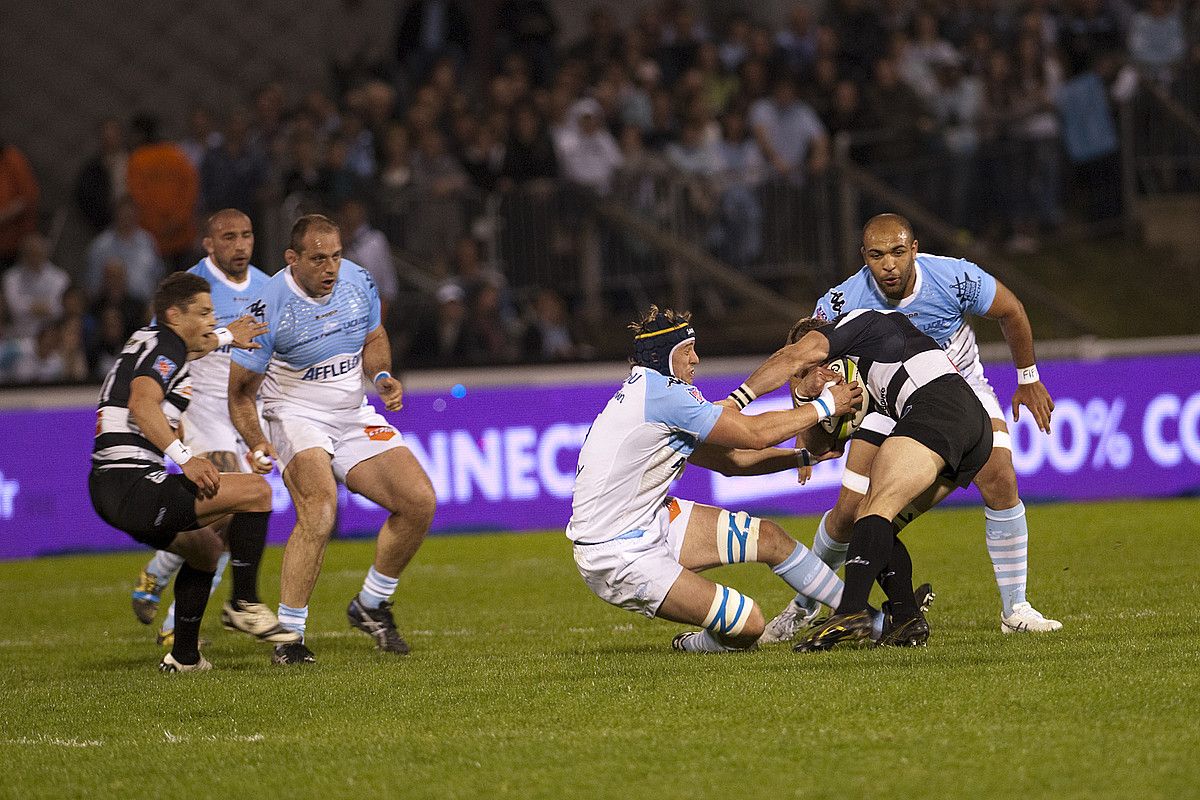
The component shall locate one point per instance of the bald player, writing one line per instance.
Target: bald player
(207, 430)
(937, 294)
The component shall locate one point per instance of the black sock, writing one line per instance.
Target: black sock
(870, 546)
(896, 581)
(247, 538)
(192, 587)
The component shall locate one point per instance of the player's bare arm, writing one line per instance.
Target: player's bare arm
(793, 359)
(761, 431)
(243, 412)
(145, 406)
(377, 363)
(1014, 323)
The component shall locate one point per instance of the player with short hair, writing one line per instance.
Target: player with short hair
(141, 402)
(942, 437)
(325, 337)
(937, 294)
(207, 431)
(641, 550)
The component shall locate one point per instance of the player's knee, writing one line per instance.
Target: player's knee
(315, 519)
(840, 519)
(734, 619)
(997, 481)
(260, 496)
(415, 502)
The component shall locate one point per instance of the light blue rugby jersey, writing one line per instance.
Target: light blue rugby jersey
(210, 375)
(944, 292)
(312, 355)
(635, 449)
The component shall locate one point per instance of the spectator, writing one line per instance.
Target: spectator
(369, 248)
(735, 47)
(548, 336)
(586, 151)
(33, 288)
(362, 44)
(797, 43)
(957, 107)
(1088, 28)
(101, 181)
(920, 57)
(1090, 136)
(601, 44)
(165, 188)
(483, 158)
(439, 181)
(19, 194)
(697, 162)
(106, 346)
(530, 153)
(1038, 136)
(133, 247)
(790, 134)
(430, 30)
(307, 182)
(664, 125)
(738, 236)
(440, 339)
(113, 295)
(202, 136)
(234, 173)
(54, 356)
(1156, 40)
(488, 338)
(717, 85)
(528, 27)
(857, 27)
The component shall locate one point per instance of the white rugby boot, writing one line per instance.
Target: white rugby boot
(1027, 619)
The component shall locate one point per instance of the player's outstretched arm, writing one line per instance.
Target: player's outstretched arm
(240, 334)
(759, 431)
(145, 406)
(809, 351)
(1014, 323)
(243, 412)
(377, 366)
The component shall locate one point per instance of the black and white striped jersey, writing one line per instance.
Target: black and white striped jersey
(156, 353)
(896, 359)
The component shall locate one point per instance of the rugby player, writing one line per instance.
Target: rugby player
(207, 431)
(141, 402)
(937, 294)
(325, 337)
(641, 550)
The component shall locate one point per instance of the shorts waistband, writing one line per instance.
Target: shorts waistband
(634, 534)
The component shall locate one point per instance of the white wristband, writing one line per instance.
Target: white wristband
(178, 452)
(1027, 375)
(743, 396)
(383, 373)
(224, 337)
(823, 405)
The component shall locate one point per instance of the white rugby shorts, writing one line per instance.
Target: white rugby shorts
(208, 429)
(351, 437)
(636, 572)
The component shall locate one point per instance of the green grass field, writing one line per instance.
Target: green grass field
(522, 684)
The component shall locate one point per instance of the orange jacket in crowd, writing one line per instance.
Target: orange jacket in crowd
(165, 188)
(17, 185)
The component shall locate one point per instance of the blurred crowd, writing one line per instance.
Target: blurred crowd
(983, 110)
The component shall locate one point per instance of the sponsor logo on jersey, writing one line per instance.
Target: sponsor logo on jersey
(966, 290)
(379, 433)
(821, 315)
(694, 392)
(164, 367)
(326, 371)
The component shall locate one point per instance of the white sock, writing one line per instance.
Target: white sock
(832, 552)
(377, 588)
(294, 619)
(704, 642)
(164, 565)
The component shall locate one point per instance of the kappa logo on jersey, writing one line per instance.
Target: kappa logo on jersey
(967, 290)
(258, 309)
(165, 367)
(837, 301)
(379, 433)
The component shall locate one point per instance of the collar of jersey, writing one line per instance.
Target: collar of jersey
(223, 278)
(916, 290)
(303, 295)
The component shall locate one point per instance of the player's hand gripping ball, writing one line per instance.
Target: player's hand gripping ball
(843, 427)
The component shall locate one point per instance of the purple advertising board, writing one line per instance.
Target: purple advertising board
(503, 458)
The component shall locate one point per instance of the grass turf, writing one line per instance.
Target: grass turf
(522, 684)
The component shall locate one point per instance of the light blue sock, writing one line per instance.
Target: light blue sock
(377, 588)
(1008, 546)
(810, 577)
(169, 620)
(164, 565)
(294, 619)
(832, 552)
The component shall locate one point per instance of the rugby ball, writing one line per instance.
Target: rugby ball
(843, 427)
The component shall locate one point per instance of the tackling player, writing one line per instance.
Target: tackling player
(207, 431)
(141, 402)
(937, 294)
(325, 336)
(641, 550)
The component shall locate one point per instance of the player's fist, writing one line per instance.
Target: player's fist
(260, 457)
(391, 392)
(200, 471)
(815, 381)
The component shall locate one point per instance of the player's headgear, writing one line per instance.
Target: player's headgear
(658, 340)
